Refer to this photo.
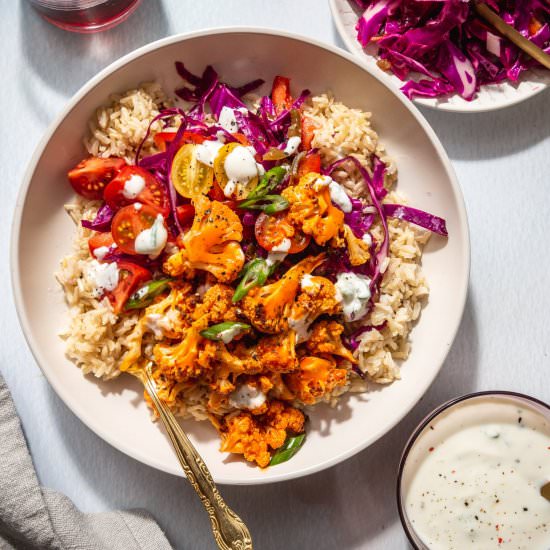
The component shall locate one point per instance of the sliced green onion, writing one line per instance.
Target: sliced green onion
(255, 273)
(224, 332)
(270, 180)
(290, 447)
(270, 204)
(147, 293)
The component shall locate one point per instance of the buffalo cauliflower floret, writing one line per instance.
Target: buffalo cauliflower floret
(171, 315)
(325, 339)
(277, 353)
(358, 250)
(256, 437)
(191, 358)
(268, 307)
(318, 297)
(216, 307)
(311, 208)
(316, 378)
(212, 243)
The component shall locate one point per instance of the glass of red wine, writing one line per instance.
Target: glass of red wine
(85, 15)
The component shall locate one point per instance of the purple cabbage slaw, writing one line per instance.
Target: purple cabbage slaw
(448, 44)
(361, 218)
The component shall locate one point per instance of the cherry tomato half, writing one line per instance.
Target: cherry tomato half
(100, 240)
(129, 222)
(185, 214)
(90, 176)
(134, 184)
(270, 231)
(190, 176)
(130, 277)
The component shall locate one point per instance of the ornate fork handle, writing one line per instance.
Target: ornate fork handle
(228, 528)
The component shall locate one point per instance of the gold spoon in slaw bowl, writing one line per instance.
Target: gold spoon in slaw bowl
(229, 530)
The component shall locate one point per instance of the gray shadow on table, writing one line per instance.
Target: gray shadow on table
(476, 136)
(356, 498)
(63, 61)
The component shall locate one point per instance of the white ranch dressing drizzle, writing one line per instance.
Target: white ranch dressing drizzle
(353, 292)
(229, 334)
(104, 277)
(292, 145)
(247, 397)
(133, 186)
(240, 167)
(227, 119)
(279, 252)
(338, 194)
(151, 241)
(477, 483)
(207, 151)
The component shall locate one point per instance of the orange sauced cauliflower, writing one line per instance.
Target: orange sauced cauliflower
(312, 210)
(268, 307)
(326, 338)
(189, 359)
(318, 297)
(256, 436)
(216, 307)
(316, 378)
(212, 243)
(358, 250)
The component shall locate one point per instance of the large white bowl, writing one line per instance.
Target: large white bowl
(489, 98)
(42, 234)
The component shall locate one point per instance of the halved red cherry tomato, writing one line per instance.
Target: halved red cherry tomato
(129, 222)
(134, 184)
(185, 214)
(270, 231)
(90, 176)
(100, 240)
(310, 163)
(130, 276)
(162, 139)
(280, 94)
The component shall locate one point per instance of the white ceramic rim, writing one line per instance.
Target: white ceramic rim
(469, 107)
(94, 81)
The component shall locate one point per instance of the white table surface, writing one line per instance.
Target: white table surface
(502, 160)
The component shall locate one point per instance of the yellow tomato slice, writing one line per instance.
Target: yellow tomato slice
(241, 190)
(190, 177)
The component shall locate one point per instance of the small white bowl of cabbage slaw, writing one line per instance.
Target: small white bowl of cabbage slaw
(490, 97)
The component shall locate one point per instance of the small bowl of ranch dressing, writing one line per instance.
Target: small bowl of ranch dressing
(471, 475)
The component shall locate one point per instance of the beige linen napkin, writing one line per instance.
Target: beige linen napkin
(35, 518)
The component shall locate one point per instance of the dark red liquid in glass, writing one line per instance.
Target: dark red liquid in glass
(102, 16)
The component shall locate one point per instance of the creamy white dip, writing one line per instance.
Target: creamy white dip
(133, 186)
(152, 241)
(475, 475)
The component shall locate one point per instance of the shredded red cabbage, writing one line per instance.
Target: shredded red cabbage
(428, 221)
(102, 220)
(448, 43)
(379, 257)
(208, 87)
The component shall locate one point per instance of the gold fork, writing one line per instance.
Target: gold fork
(229, 530)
